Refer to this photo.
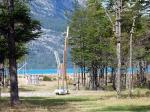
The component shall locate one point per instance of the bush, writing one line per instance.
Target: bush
(147, 93)
(54, 79)
(46, 78)
(138, 93)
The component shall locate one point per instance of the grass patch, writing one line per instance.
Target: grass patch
(51, 101)
(126, 108)
(83, 101)
(43, 104)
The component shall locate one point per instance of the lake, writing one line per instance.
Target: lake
(69, 71)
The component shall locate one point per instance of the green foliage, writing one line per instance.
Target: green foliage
(46, 78)
(131, 9)
(147, 93)
(26, 28)
(92, 43)
(141, 28)
(91, 32)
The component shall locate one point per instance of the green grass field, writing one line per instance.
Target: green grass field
(83, 101)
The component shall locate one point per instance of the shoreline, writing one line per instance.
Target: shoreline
(52, 74)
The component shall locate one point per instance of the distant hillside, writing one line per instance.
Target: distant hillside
(51, 14)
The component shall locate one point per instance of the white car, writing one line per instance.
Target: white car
(61, 92)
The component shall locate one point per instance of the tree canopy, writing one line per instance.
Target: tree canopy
(26, 28)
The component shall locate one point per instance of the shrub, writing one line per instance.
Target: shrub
(147, 93)
(46, 78)
(138, 93)
(54, 79)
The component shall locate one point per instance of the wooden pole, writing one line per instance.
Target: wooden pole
(58, 73)
(62, 75)
(65, 58)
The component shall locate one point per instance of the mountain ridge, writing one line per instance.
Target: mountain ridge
(51, 14)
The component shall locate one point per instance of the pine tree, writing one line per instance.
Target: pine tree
(16, 29)
(90, 42)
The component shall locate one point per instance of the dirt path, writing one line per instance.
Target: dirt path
(31, 94)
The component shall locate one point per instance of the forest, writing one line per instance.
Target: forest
(114, 36)
(110, 51)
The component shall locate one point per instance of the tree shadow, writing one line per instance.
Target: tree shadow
(46, 104)
(3, 99)
(51, 101)
(51, 104)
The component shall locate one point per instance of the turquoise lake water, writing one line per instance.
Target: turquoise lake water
(46, 71)
(69, 71)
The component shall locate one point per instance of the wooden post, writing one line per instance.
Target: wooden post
(58, 75)
(64, 59)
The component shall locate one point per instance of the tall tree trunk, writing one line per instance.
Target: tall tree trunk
(93, 81)
(138, 73)
(142, 73)
(103, 76)
(113, 79)
(14, 97)
(84, 75)
(94, 78)
(130, 59)
(99, 77)
(106, 76)
(78, 78)
(118, 6)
